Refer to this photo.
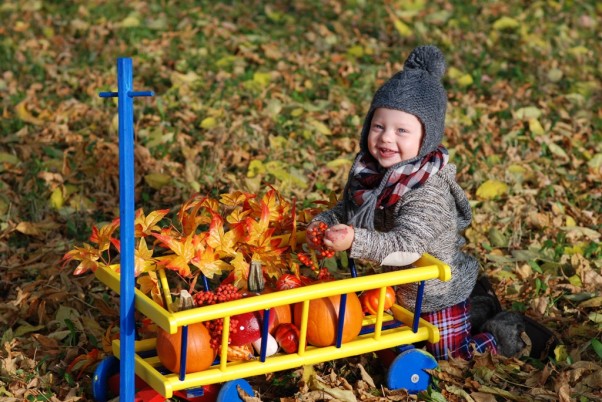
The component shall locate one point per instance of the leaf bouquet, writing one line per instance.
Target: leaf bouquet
(208, 236)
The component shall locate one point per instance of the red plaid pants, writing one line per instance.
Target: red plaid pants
(454, 328)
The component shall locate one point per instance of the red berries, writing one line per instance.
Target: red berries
(223, 293)
(315, 236)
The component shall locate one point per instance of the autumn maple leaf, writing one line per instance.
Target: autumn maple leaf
(191, 214)
(88, 257)
(223, 242)
(256, 231)
(184, 252)
(144, 225)
(240, 270)
(209, 261)
(103, 235)
(143, 258)
(150, 284)
(237, 199)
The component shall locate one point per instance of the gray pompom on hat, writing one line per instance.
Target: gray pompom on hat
(418, 90)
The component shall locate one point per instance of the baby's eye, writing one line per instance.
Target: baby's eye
(401, 131)
(377, 126)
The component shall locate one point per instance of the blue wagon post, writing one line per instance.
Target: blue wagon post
(125, 95)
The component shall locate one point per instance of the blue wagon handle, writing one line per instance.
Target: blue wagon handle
(127, 324)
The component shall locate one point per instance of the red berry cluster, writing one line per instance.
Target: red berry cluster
(306, 260)
(223, 293)
(216, 328)
(316, 236)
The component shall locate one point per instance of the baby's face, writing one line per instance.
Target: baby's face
(394, 136)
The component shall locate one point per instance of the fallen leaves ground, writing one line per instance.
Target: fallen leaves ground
(257, 92)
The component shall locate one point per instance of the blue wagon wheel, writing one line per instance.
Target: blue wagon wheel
(229, 391)
(408, 371)
(100, 381)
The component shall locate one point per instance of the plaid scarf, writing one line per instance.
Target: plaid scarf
(367, 178)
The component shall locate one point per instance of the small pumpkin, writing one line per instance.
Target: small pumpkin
(370, 297)
(200, 354)
(323, 319)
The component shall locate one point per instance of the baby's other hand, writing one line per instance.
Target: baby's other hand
(339, 237)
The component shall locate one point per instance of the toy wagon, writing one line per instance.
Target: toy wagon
(398, 329)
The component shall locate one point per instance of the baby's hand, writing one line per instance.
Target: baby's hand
(339, 237)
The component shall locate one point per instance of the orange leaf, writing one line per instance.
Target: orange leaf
(143, 258)
(209, 262)
(240, 270)
(88, 257)
(190, 214)
(184, 250)
(236, 198)
(103, 236)
(145, 224)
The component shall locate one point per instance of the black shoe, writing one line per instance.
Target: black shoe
(510, 328)
(543, 340)
(484, 304)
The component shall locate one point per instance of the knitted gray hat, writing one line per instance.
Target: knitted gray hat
(417, 90)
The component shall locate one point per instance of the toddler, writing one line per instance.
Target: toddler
(402, 200)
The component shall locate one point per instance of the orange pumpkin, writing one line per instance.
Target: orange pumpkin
(282, 314)
(323, 318)
(369, 299)
(200, 354)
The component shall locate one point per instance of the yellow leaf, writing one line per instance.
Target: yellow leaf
(56, 198)
(24, 115)
(157, 180)
(28, 228)
(279, 171)
(505, 23)
(595, 162)
(255, 168)
(278, 142)
(555, 74)
(557, 150)
(356, 51)
(401, 27)
(209, 122)
(26, 329)
(297, 112)
(578, 50)
(560, 353)
(529, 112)
(591, 303)
(320, 127)
(11, 159)
(225, 61)
(263, 79)
(491, 189)
(535, 127)
(130, 21)
(465, 80)
(595, 316)
(179, 79)
(570, 221)
(337, 163)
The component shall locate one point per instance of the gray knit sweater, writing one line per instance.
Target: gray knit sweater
(429, 219)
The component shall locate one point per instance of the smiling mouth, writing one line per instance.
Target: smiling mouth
(386, 152)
